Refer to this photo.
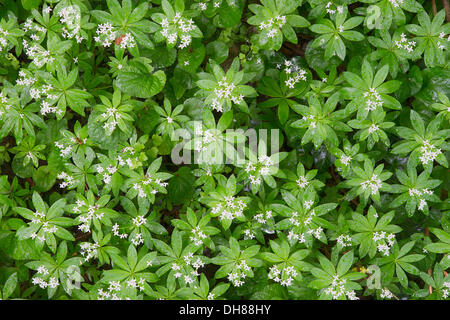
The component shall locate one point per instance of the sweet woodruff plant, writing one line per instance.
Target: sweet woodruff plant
(224, 149)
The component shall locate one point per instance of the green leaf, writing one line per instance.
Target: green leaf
(30, 4)
(137, 79)
(417, 123)
(438, 247)
(10, 286)
(345, 263)
(181, 186)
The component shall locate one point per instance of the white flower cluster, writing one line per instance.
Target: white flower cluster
(429, 152)
(262, 217)
(403, 43)
(344, 240)
(39, 219)
(442, 36)
(87, 213)
(181, 27)
(52, 283)
(373, 183)
(302, 182)
(373, 99)
(67, 147)
(337, 289)
(111, 117)
(39, 56)
(89, 250)
(295, 74)
(112, 292)
(308, 204)
(128, 158)
(105, 34)
(446, 291)
(273, 25)
(188, 261)
(339, 9)
(138, 221)
(136, 284)
(223, 91)
(4, 105)
(373, 128)
(126, 41)
(396, 3)
(148, 181)
(230, 208)
(384, 242)
(202, 137)
(197, 264)
(25, 80)
(296, 237)
(315, 232)
(42, 270)
(115, 230)
(413, 192)
(64, 150)
(261, 167)
(39, 93)
(43, 93)
(386, 294)
(203, 5)
(299, 221)
(198, 236)
(138, 239)
(107, 172)
(249, 234)
(240, 273)
(71, 16)
(311, 119)
(68, 182)
(284, 276)
(345, 159)
(3, 41)
(29, 25)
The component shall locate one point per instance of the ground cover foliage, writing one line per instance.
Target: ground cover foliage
(353, 203)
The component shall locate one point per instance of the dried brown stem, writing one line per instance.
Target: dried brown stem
(430, 288)
(83, 236)
(293, 49)
(326, 251)
(447, 10)
(333, 174)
